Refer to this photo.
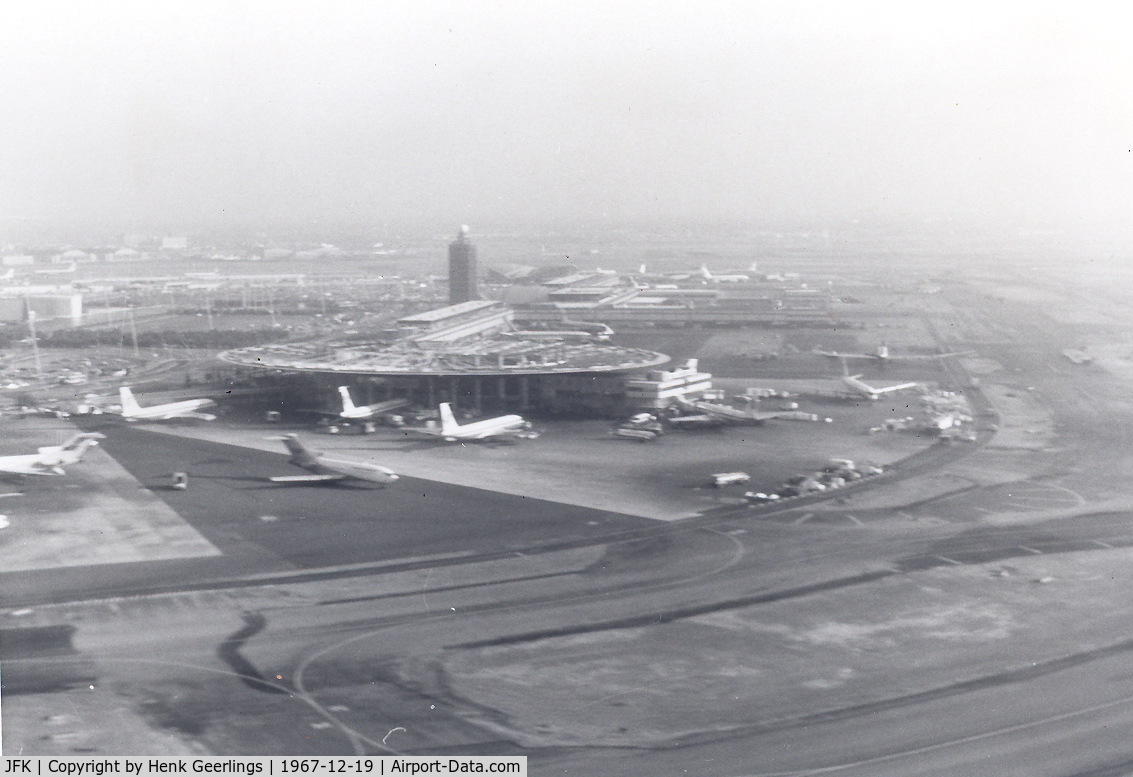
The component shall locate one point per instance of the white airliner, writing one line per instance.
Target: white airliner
(855, 384)
(882, 354)
(50, 459)
(729, 278)
(350, 410)
(727, 413)
(327, 470)
(188, 408)
(58, 270)
(489, 429)
(858, 387)
(645, 273)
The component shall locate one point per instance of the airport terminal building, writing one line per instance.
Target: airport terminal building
(469, 354)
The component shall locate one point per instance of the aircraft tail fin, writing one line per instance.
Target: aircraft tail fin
(292, 442)
(298, 450)
(129, 404)
(81, 441)
(73, 442)
(704, 272)
(347, 402)
(84, 446)
(448, 420)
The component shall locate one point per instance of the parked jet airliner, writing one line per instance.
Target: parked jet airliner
(858, 386)
(489, 429)
(882, 354)
(726, 413)
(188, 408)
(327, 470)
(726, 278)
(50, 459)
(855, 384)
(350, 410)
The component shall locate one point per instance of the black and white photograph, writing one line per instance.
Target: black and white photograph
(730, 389)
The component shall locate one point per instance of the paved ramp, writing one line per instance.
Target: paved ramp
(96, 514)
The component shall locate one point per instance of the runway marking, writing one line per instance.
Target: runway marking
(739, 551)
(855, 520)
(1103, 544)
(1031, 550)
(950, 560)
(357, 739)
(801, 520)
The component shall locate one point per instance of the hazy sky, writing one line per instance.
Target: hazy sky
(487, 111)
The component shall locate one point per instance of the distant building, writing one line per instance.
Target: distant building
(462, 269)
(47, 307)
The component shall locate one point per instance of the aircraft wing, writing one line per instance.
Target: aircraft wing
(702, 419)
(424, 430)
(899, 387)
(330, 478)
(497, 434)
(29, 469)
(769, 416)
(486, 435)
(899, 357)
(928, 356)
(189, 414)
(389, 404)
(525, 434)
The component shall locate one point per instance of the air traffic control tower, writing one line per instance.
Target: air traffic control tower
(462, 269)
